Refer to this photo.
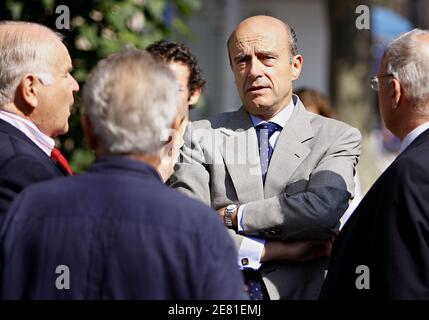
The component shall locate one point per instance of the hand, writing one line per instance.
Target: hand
(303, 250)
(325, 249)
(221, 212)
(169, 154)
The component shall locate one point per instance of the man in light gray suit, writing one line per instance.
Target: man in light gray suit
(283, 202)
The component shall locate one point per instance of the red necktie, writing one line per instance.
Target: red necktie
(60, 160)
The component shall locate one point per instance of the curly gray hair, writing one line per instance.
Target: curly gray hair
(131, 101)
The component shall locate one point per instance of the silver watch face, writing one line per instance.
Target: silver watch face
(228, 219)
(231, 207)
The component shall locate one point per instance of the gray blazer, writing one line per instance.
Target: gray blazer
(308, 185)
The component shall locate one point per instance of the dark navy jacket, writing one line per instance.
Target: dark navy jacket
(383, 250)
(22, 163)
(121, 233)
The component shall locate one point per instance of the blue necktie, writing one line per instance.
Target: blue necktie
(264, 131)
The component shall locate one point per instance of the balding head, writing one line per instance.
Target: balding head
(24, 47)
(267, 24)
(264, 63)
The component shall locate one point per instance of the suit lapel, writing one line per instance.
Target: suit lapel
(239, 150)
(289, 151)
(11, 130)
(241, 157)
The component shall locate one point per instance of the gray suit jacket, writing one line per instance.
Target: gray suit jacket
(308, 185)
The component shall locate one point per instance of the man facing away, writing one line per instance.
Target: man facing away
(383, 250)
(36, 93)
(117, 232)
(279, 176)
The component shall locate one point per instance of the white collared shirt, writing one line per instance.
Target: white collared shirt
(410, 137)
(30, 130)
(280, 119)
(251, 247)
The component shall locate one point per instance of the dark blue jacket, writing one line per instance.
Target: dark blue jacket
(22, 163)
(121, 233)
(383, 250)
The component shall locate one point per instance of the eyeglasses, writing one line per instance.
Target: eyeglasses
(375, 84)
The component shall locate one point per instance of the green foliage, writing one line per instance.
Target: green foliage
(97, 29)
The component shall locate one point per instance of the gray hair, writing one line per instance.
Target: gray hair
(293, 40)
(131, 102)
(24, 48)
(407, 59)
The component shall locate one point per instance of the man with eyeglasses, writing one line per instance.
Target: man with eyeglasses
(36, 93)
(383, 250)
(375, 82)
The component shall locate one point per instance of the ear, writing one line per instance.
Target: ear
(28, 90)
(396, 92)
(89, 134)
(296, 66)
(193, 99)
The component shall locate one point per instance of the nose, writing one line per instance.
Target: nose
(255, 68)
(74, 84)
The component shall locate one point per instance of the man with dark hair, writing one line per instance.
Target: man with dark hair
(184, 66)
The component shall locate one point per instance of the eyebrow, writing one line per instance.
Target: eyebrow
(258, 53)
(241, 56)
(266, 53)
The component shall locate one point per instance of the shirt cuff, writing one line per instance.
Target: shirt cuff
(249, 254)
(240, 212)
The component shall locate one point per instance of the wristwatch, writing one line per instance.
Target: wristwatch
(227, 215)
